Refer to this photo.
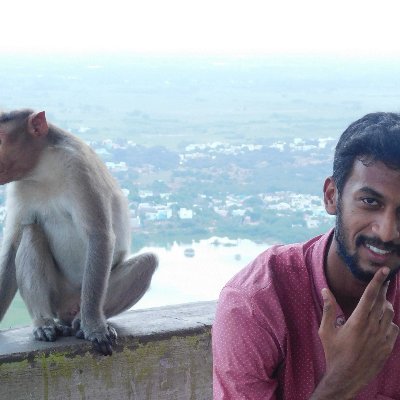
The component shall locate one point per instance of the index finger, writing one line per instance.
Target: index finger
(371, 293)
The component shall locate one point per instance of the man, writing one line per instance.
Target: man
(319, 320)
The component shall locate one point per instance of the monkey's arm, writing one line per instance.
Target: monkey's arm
(8, 280)
(94, 289)
(92, 213)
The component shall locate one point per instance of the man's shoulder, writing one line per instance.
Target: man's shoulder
(280, 266)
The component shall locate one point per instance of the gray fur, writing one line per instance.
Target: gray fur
(66, 240)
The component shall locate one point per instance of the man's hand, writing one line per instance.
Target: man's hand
(356, 351)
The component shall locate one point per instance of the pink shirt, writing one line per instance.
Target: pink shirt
(265, 334)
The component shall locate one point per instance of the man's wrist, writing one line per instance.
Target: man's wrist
(333, 389)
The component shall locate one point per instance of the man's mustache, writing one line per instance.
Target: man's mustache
(376, 242)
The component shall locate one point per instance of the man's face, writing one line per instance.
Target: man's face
(368, 220)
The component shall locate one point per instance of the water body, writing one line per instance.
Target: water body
(186, 273)
(183, 278)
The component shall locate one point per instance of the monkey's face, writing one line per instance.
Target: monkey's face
(15, 159)
(19, 148)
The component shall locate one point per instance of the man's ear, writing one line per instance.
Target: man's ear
(37, 124)
(330, 196)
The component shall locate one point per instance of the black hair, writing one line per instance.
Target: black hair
(374, 137)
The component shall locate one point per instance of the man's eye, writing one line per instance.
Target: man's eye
(369, 201)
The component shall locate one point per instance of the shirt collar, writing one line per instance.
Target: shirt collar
(318, 254)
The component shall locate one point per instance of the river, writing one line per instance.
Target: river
(182, 278)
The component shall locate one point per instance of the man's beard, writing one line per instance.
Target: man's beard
(352, 261)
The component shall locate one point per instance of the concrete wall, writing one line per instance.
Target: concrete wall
(162, 353)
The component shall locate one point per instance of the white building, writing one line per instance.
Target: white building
(117, 167)
(185, 213)
(135, 222)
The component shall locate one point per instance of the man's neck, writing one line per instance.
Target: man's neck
(346, 289)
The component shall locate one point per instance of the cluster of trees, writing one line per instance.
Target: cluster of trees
(201, 183)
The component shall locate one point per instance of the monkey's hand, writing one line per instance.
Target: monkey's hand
(102, 337)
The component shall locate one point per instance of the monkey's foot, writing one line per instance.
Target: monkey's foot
(51, 330)
(102, 339)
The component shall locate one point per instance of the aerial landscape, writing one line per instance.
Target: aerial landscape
(215, 149)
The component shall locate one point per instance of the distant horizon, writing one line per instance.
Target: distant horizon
(125, 55)
(199, 54)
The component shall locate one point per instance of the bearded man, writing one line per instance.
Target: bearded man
(319, 320)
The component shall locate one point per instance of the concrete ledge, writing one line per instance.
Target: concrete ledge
(162, 353)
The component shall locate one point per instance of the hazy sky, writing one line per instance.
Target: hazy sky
(360, 27)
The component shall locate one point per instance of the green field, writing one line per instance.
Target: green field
(17, 315)
(175, 101)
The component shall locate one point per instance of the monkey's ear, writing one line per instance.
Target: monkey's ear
(37, 124)
(330, 196)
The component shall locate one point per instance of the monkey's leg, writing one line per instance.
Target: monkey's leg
(128, 282)
(38, 282)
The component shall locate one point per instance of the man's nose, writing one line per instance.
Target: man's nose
(386, 227)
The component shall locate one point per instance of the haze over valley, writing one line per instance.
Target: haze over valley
(217, 153)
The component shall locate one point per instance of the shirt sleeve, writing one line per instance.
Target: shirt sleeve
(246, 354)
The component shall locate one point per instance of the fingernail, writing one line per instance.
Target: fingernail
(385, 271)
(324, 293)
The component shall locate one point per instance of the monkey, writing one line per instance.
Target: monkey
(66, 234)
